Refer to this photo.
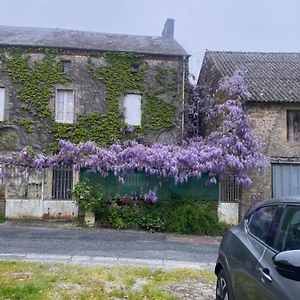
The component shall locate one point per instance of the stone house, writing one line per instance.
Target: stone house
(68, 84)
(273, 80)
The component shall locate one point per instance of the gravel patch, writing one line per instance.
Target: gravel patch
(192, 290)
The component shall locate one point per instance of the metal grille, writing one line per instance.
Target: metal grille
(229, 191)
(62, 183)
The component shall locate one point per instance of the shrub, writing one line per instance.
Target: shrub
(194, 217)
(88, 197)
(122, 217)
(152, 223)
(176, 215)
(2, 219)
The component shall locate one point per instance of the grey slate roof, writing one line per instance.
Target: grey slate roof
(270, 77)
(75, 39)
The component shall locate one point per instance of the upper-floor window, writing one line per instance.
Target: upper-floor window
(66, 66)
(2, 103)
(64, 106)
(133, 111)
(293, 125)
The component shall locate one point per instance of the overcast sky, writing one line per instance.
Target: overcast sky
(232, 25)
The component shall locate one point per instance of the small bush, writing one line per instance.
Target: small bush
(194, 217)
(2, 219)
(88, 197)
(122, 217)
(152, 223)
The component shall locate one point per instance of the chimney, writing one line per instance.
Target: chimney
(168, 31)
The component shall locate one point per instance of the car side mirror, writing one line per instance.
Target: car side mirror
(287, 264)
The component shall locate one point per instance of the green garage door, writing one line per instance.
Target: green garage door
(141, 183)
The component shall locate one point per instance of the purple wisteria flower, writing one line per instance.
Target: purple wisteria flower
(150, 197)
(230, 147)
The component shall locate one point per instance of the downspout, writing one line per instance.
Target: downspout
(183, 93)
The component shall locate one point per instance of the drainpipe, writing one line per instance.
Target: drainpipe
(183, 93)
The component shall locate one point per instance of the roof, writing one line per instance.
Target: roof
(85, 40)
(270, 77)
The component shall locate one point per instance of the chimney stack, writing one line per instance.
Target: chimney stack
(168, 31)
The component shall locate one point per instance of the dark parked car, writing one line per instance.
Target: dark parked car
(260, 257)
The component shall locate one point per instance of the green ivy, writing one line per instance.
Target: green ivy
(8, 140)
(157, 114)
(28, 124)
(36, 82)
(38, 79)
(167, 80)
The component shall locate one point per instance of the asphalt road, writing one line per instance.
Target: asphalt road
(43, 239)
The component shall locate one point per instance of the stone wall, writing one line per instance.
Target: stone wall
(90, 96)
(269, 121)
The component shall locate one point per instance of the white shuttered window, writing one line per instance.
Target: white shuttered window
(133, 112)
(64, 106)
(2, 103)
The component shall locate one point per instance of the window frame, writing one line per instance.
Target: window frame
(288, 126)
(66, 71)
(64, 185)
(277, 216)
(4, 104)
(125, 108)
(64, 120)
(285, 208)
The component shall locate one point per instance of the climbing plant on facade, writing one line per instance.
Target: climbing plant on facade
(230, 148)
(36, 83)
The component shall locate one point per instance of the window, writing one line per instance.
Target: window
(260, 224)
(289, 233)
(66, 66)
(293, 125)
(230, 191)
(2, 103)
(64, 106)
(133, 112)
(62, 183)
(134, 69)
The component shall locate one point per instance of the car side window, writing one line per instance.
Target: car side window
(260, 224)
(289, 233)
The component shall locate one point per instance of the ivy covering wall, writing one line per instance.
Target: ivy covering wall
(35, 83)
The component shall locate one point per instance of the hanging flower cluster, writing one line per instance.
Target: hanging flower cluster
(230, 147)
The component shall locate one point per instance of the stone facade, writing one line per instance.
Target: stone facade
(90, 97)
(273, 82)
(164, 77)
(269, 121)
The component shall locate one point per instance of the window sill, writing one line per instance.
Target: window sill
(64, 122)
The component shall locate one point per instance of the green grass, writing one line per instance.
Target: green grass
(33, 281)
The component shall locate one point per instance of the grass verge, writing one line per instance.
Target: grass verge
(23, 280)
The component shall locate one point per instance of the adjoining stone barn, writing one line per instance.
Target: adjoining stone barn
(273, 80)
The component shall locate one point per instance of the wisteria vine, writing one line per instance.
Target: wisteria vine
(230, 148)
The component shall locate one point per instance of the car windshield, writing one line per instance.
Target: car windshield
(289, 236)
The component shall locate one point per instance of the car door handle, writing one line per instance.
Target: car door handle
(265, 273)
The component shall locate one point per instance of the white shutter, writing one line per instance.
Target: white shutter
(69, 106)
(133, 111)
(59, 106)
(64, 106)
(2, 103)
